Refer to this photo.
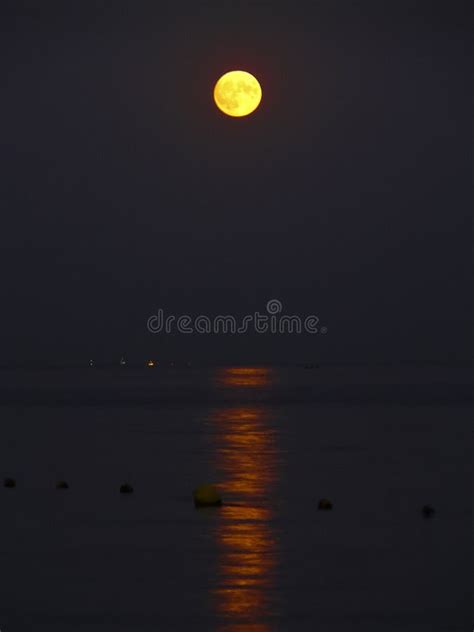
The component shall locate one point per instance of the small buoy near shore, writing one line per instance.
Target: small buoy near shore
(126, 489)
(9, 482)
(62, 485)
(207, 496)
(325, 504)
(428, 511)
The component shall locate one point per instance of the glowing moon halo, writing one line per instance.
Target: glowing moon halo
(237, 93)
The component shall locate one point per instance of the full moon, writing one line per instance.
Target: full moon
(237, 93)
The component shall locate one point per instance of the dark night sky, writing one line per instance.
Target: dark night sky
(123, 189)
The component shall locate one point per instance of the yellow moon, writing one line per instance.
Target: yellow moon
(237, 93)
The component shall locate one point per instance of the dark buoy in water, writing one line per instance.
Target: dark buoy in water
(207, 496)
(325, 504)
(9, 482)
(62, 485)
(126, 489)
(428, 511)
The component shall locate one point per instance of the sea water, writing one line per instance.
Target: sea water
(379, 443)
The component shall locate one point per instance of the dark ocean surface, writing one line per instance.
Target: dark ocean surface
(380, 443)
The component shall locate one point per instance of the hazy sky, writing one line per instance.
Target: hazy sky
(346, 195)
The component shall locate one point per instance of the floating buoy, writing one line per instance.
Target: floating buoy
(428, 511)
(62, 485)
(126, 489)
(207, 496)
(325, 504)
(9, 482)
